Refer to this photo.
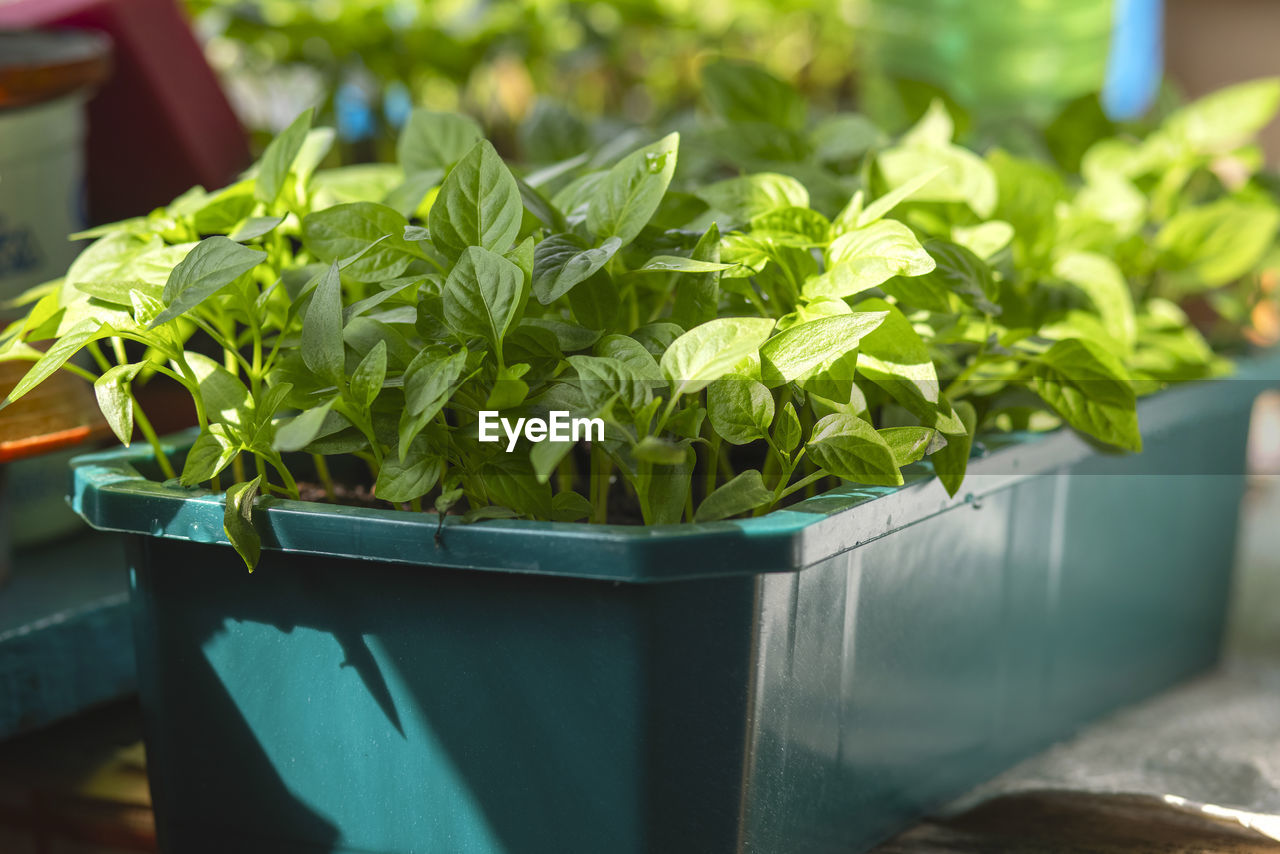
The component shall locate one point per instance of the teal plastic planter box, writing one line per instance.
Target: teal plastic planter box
(807, 681)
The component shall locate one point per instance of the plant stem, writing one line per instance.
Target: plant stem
(148, 432)
(601, 470)
(713, 464)
(801, 484)
(289, 483)
(98, 358)
(326, 479)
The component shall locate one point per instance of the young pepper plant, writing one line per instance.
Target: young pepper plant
(742, 340)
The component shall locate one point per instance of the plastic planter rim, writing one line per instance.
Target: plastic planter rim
(110, 494)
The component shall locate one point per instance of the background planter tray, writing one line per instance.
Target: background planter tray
(769, 689)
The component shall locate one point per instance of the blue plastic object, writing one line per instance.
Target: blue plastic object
(811, 680)
(1135, 64)
(1008, 59)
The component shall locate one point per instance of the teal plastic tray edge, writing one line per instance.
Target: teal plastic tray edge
(110, 493)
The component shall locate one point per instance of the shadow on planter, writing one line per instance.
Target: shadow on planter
(470, 711)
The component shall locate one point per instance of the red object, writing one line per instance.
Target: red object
(162, 122)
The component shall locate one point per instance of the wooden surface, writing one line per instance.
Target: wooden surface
(81, 788)
(57, 414)
(78, 788)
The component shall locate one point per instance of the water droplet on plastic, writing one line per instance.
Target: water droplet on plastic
(973, 501)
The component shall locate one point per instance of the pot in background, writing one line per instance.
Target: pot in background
(45, 79)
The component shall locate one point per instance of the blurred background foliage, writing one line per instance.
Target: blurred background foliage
(366, 63)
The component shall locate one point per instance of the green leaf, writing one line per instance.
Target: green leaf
(958, 271)
(447, 498)
(538, 205)
(889, 240)
(255, 227)
(511, 482)
(264, 410)
(742, 92)
(478, 205)
(596, 301)
(708, 352)
(850, 448)
(545, 457)
(1087, 387)
(278, 158)
(1028, 199)
(369, 375)
(698, 297)
(895, 358)
(568, 506)
(748, 196)
(322, 347)
(844, 136)
(490, 511)
(630, 352)
(238, 521)
(665, 492)
(407, 197)
(482, 296)
(951, 461)
(808, 349)
(570, 337)
(677, 264)
(564, 260)
(868, 257)
(663, 452)
(984, 239)
(371, 233)
(115, 401)
(1217, 243)
(908, 443)
(602, 379)
(302, 429)
(214, 263)
(1100, 278)
(316, 146)
(803, 227)
(211, 452)
(745, 492)
(1226, 119)
(959, 175)
(226, 398)
(787, 433)
(429, 381)
(56, 356)
(226, 209)
(740, 409)
(413, 478)
(625, 200)
(848, 278)
(509, 390)
(935, 129)
(890, 200)
(435, 141)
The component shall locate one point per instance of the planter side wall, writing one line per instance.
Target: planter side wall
(330, 705)
(982, 635)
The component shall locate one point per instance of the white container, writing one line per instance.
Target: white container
(41, 191)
